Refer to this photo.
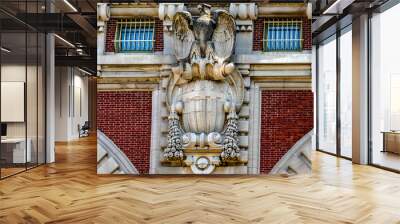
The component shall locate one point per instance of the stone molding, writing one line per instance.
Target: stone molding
(253, 165)
(110, 158)
(297, 159)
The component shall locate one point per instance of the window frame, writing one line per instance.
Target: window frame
(285, 22)
(148, 22)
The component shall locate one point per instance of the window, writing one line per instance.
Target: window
(345, 93)
(327, 96)
(134, 35)
(22, 87)
(282, 35)
(385, 90)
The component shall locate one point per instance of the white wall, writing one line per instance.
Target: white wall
(61, 103)
(71, 94)
(15, 73)
(33, 126)
(80, 111)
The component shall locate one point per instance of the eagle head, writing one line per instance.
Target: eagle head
(204, 27)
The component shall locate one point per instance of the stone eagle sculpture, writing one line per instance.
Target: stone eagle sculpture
(204, 92)
(208, 37)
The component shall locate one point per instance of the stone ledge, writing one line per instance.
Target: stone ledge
(135, 59)
(303, 57)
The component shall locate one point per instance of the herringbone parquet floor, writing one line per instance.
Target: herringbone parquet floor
(71, 192)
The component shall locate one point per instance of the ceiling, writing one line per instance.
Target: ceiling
(332, 15)
(74, 21)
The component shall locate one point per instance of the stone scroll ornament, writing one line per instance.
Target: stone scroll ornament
(205, 92)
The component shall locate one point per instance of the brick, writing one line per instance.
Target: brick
(159, 37)
(110, 34)
(125, 117)
(307, 37)
(258, 33)
(286, 116)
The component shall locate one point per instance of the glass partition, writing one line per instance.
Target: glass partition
(31, 98)
(346, 93)
(22, 78)
(14, 153)
(41, 97)
(327, 96)
(385, 90)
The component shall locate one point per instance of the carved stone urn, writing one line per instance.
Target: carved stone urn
(204, 93)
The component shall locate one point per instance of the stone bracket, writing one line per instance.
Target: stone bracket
(243, 11)
(166, 13)
(103, 15)
(244, 14)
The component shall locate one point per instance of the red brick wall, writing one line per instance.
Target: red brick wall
(259, 32)
(286, 116)
(110, 35)
(125, 117)
(159, 38)
(307, 37)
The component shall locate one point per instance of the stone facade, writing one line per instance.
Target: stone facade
(262, 79)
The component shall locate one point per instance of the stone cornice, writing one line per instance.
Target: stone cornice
(285, 9)
(241, 11)
(134, 9)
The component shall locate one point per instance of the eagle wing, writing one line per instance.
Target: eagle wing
(183, 35)
(224, 35)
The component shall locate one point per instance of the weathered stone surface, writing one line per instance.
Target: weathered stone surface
(205, 91)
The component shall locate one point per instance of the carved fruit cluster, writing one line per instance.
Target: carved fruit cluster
(230, 149)
(174, 149)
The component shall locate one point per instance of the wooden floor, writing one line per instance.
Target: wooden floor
(71, 192)
(387, 159)
(5, 172)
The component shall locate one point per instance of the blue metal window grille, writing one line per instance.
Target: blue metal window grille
(282, 35)
(135, 35)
